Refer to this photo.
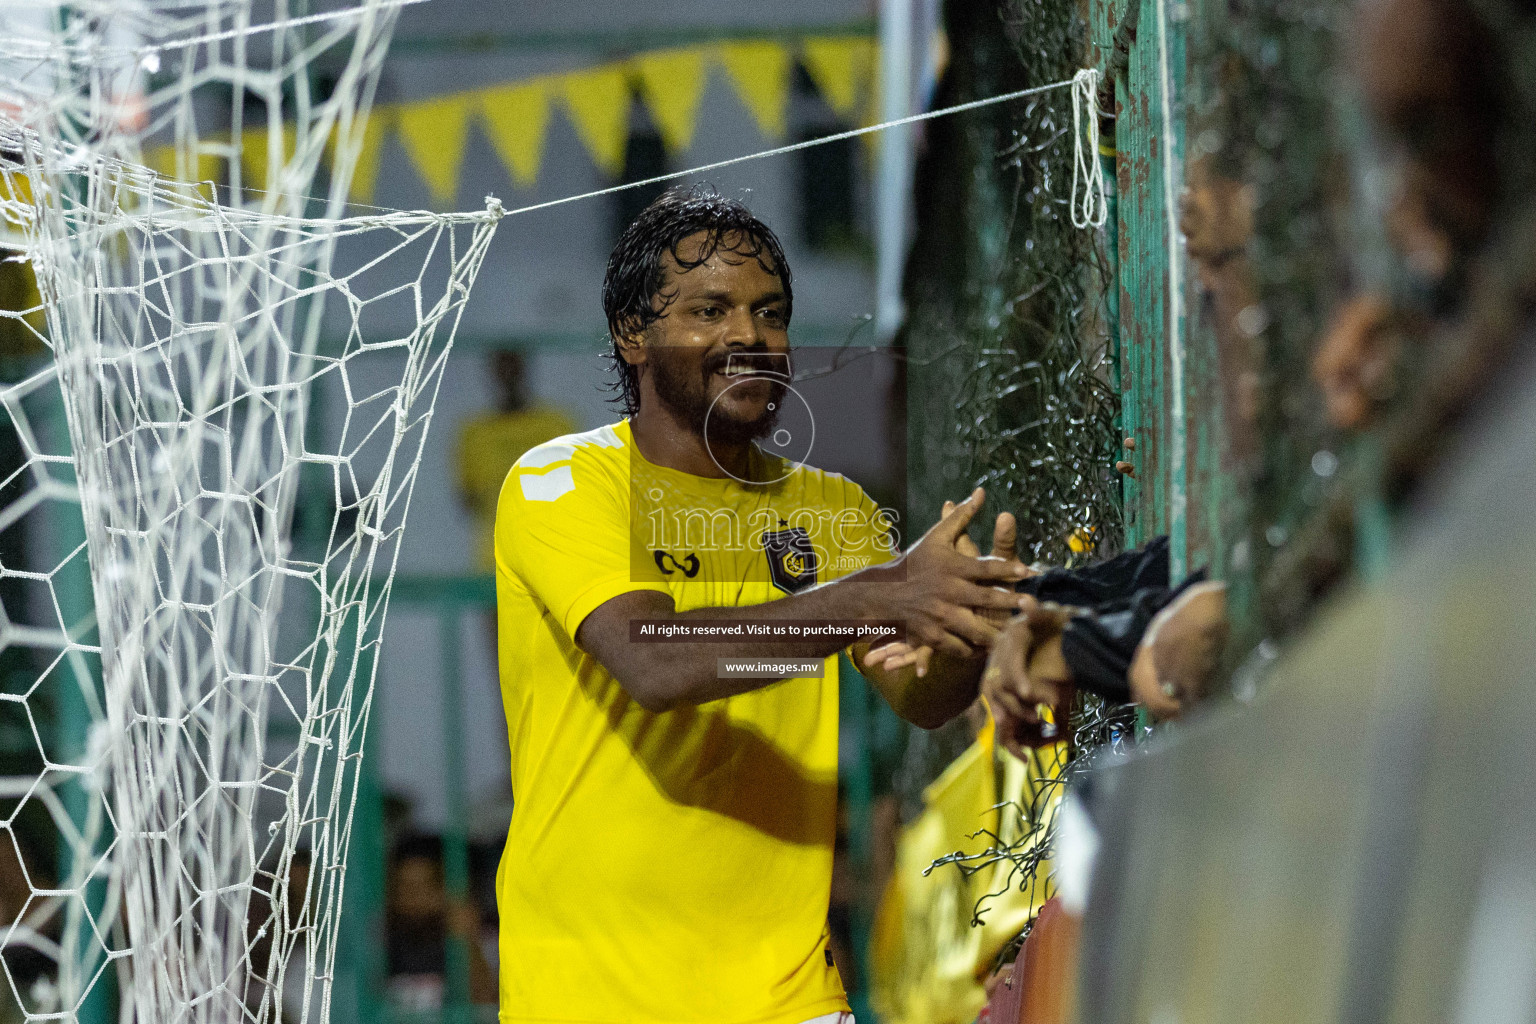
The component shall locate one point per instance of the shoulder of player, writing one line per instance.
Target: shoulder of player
(548, 471)
(603, 443)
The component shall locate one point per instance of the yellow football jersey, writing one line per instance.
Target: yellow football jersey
(665, 867)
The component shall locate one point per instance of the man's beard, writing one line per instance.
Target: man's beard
(687, 396)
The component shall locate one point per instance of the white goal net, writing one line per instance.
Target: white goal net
(189, 319)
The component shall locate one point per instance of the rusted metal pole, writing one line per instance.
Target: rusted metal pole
(1119, 60)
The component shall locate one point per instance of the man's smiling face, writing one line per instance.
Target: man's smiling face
(731, 304)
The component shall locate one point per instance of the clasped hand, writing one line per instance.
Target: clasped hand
(1025, 672)
(951, 599)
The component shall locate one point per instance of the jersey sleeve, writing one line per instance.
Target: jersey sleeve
(563, 530)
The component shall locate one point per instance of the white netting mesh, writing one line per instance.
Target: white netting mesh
(252, 95)
(188, 331)
(186, 401)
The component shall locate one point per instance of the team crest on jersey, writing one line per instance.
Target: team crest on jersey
(792, 560)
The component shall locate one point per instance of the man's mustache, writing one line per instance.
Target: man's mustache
(752, 362)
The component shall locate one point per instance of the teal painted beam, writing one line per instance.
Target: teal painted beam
(361, 969)
(1119, 52)
(476, 590)
(456, 995)
(856, 701)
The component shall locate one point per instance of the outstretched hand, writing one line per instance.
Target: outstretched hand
(896, 656)
(952, 601)
(1181, 650)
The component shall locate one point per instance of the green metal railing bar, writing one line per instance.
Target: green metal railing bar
(450, 597)
(456, 999)
(856, 701)
(358, 994)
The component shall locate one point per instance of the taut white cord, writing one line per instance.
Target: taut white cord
(854, 133)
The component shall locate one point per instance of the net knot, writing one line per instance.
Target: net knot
(1090, 208)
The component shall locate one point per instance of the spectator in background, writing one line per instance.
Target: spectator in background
(27, 968)
(421, 918)
(491, 442)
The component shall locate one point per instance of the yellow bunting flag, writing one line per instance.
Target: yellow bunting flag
(256, 155)
(14, 188)
(760, 72)
(516, 117)
(672, 82)
(598, 101)
(842, 68)
(433, 133)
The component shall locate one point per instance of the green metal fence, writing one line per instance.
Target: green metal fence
(1239, 109)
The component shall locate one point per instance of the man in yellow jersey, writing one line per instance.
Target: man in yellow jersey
(670, 853)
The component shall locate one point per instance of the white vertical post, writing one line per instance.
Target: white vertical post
(1170, 72)
(893, 177)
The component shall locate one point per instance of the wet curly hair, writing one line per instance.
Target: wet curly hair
(633, 298)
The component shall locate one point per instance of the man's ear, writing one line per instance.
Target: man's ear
(630, 339)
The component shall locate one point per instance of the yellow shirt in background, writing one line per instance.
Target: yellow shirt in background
(488, 445)
(665, 867)
(927, 959)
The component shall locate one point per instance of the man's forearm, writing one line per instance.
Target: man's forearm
(682, 672)
(946, 689)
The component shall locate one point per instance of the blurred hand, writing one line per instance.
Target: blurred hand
(464, 921)
(1215, 215)
(1355, 359)
(1025, 672)
(1181, 651)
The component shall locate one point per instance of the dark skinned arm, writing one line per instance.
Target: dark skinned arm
(947, 687)
(932, 588)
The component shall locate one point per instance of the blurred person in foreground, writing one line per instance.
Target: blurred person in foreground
(671, 847)
(1357, 843)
